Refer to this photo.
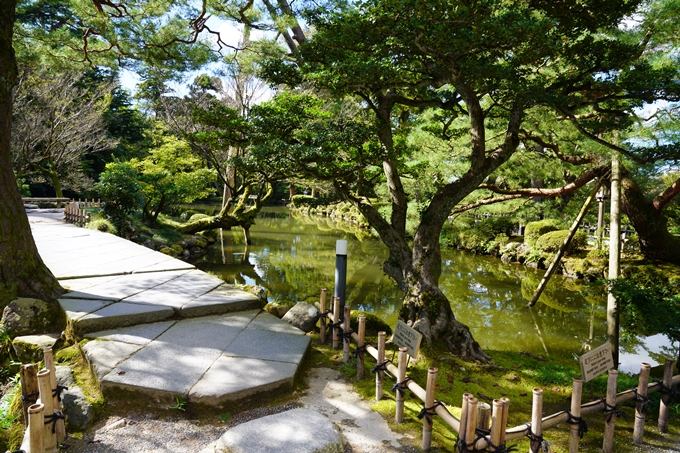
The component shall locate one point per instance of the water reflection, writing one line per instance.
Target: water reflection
(294, 257)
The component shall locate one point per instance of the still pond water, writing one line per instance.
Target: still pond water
(293, 257)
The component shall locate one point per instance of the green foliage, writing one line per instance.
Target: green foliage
(179, 404)
(555, 374)
(552, 241)
(374, 324)
(24, 189)
(103, 224)
(481, 237)
(534, 230)
(225, 417)
(119, 188)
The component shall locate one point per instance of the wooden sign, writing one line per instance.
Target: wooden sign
(596, 362)
(407, 337)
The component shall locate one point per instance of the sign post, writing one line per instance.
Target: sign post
(340, 273)
(407, 337)
(596, 362)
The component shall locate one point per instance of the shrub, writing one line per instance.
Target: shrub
(119, 187)
(552, 241)
(535, 230)
(102, 224)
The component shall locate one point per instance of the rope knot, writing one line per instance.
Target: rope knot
(582, 425)
(428, 412)
(380, 366)
(401, 386)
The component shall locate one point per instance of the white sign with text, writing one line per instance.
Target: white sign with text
(407, 337)
(596, 362)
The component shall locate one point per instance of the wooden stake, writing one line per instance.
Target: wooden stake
(322, 325)
(504, 422)
(401, 377)
(380, 375)
(639, 426)
(36, 428)
(336, 318)
(483, 416)
(665, 398)
(464, 416)
(471, 424)
(360, 346)
(610, 421)
(576, 393)
(29, 387)
(56, 398)
(536, 419)
(429, 406)
(346, 338)
(496, 424)
(45, 386)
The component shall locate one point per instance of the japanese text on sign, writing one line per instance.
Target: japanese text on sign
(596, 362)
(407, 337)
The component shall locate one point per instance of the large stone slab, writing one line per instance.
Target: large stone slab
(124, 286)
(178, 291)
(259, 344)
(77, 308)
(294, 431)
(121, 314)
(231, 379)
(141, 334)
(103, 356)
(223, 299)
(271, 323)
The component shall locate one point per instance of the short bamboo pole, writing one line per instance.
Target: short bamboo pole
(504, 422)
(380, 374)
(49, 434)
(429, 405)
(29, 387)
(471, 423)
(56, 396)
(483, 416)
(464, 408)
(401, 377)
(496, 424)
(666, 398)
(643, 382)
(336, 317)
(346, 339)
(324, 315)
(610, 421)
(536, 419)
(576, 392)
(36, 428)
(360, 347)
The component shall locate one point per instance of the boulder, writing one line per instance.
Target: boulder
(303, 316)
(26, 316)
(277, 309)
(294, 431)
(75, 407)
(29, 348)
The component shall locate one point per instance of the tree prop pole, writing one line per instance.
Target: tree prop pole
(563, 247)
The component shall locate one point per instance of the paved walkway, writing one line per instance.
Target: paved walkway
(161, 328)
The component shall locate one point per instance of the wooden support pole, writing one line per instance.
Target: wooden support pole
(504, 422)
(462, 429)
(496, 424)
(56, 397)
(45, 386)
(536, 419)
(36, 428)
(610, 421)
(360, 347)
(346, 339)
(29, 387)
(574, 434)
(380, 374)
(640, 406)
(322, 324)
(483, 416)
(429, 408)
(666, 397)
(336, 317)
(401, 377)
(471, 424)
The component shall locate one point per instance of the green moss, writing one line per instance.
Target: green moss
(534, 230)
(374, 323)
(552, 241)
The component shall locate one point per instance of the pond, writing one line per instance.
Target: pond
(293, 257)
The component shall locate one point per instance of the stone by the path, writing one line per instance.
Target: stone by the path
(221, 300)
(74, 405)
(304, 316)
(121, 314)
(27, 316)
(29, 348)
(105, 355)
(141, 334)
(294, 431)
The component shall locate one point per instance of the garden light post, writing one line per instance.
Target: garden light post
(340, 272)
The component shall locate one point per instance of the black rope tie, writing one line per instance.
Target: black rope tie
(30, 398)
(323, 316)
(57, 391)
(381, 366)
(401, 386)
(612, 411)
(361, 349)
(428, 412)
(336, 325)
(643, 400)
(58, 415)
(537, 439)
(668, 392)
(582, 425)
(346, 336)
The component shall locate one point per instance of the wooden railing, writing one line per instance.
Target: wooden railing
(76, 212)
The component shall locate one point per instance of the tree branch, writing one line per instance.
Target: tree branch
(666, 196)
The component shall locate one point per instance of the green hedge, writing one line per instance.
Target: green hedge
(535, 230)
(552, 241)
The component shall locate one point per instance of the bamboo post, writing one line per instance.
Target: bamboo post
(29, 387)
(36, 430)
(610, 424)
(471, 424)
(49, 434)
(429, 408)
(360, 347)
(401, 377)
(640, 406)
(346, 335)
(380, 374)
(336, 317)
(574, 437)
(496, 424)
(483, 416)
(462, 429)
(666, 397)
(322, 325)
(536, 419)
(56, 397)
(504, 422)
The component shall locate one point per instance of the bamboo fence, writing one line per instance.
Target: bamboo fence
(76, 212)
(472, 427)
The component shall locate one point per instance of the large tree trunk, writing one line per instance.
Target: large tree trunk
(649, 223)
(22, 271)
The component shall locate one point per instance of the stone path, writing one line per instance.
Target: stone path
(160, 328)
